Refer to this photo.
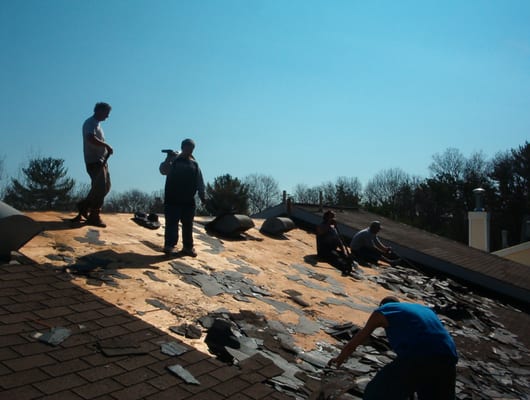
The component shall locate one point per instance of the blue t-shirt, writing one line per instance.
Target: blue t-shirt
(415, 331)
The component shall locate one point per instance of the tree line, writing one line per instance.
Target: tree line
(438, 203)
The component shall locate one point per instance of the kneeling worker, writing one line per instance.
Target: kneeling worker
(366, 246)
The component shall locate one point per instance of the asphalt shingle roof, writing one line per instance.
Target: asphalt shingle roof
(33, 298)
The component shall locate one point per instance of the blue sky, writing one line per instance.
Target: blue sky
(304, 91)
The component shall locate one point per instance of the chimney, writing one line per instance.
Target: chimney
(479, 223)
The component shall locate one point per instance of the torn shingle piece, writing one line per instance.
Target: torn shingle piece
(54, 336)
(183, 373)
(173, 348)
(158, 304)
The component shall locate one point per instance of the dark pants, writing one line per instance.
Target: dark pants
(338, 259)
(100, 185)
(175, 214)
(368, 254)
(431, 378)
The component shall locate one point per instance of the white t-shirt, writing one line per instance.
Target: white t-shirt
(363, 238)
(92, 152)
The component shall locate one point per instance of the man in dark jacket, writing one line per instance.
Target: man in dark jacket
(183, 181)
(426, 353)
(330, 247)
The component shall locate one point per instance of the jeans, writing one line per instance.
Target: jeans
(432, 378)
(175, 214)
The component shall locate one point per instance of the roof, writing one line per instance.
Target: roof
(449, 257)
(519, 253)
(292, 310)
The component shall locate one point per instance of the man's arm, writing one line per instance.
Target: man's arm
(93, 139)
(380, 246)
(375, 321)
(200, 185)
(322, 228)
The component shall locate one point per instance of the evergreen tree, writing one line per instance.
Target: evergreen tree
(45, 186)
(227, 195)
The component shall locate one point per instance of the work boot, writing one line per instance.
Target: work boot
(95, 220)
(169, 250)
(83, 209)
(189, 252)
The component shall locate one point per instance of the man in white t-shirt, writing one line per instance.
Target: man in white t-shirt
(96, 152)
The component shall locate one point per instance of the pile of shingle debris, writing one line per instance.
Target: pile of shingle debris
(498, 369)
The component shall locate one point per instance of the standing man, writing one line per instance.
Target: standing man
(366, 246)
(183, 181)
(426, 353)
(96, 152)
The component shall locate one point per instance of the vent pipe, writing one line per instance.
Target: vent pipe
(479, 199)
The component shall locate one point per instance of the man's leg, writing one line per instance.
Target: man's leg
(369, 254)
(393, 381)
(188, 214)
(99, 188)
(437, 380)
(171, 232)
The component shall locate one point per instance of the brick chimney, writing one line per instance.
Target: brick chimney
(479, 223)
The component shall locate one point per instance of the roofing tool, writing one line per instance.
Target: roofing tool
(170, 152)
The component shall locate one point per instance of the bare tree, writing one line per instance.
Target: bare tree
(129, 202)
(263, 192)
(345, 192)
(305, 194)
(384, 187)
(448, 166)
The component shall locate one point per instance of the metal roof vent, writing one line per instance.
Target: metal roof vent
(15, 230)
(277, 226)
(479, 199)
(230, 224)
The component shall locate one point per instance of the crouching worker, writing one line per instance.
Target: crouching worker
(367, 247)
(329, 245)
(183, 181)
(426, 353)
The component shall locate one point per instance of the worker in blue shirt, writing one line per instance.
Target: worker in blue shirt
(426, 353)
